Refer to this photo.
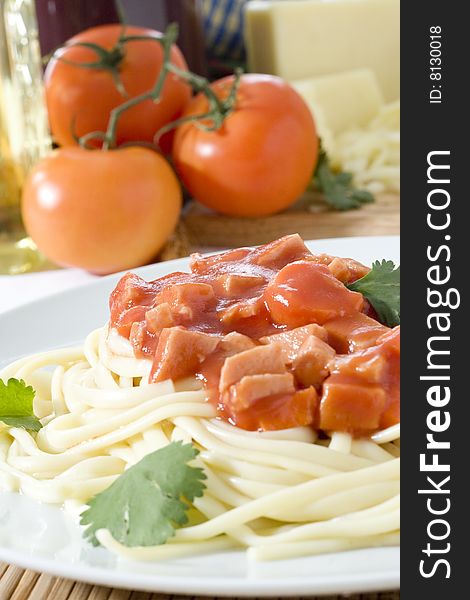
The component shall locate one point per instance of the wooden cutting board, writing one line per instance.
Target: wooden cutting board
(310, 217)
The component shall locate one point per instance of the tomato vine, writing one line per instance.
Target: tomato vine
(110, 60)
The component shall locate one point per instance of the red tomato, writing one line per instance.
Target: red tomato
(79, 100)
(103, 211)
(260, 160)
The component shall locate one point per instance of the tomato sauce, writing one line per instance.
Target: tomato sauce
(274, 334)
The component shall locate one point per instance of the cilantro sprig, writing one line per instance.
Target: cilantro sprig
(338, 188)
(16, 405)
(143, 505)
(381, 287)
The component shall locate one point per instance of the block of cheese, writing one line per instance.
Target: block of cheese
(343, 100)
(296, 39)
(321, 124)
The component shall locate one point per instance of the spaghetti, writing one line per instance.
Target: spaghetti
(287, 475)
(279, 494)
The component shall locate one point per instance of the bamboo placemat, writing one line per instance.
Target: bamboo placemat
(198, 228)
(16, 584)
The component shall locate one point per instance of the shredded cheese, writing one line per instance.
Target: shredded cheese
(372, 153)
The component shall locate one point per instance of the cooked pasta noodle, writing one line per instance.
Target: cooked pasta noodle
(276, 493)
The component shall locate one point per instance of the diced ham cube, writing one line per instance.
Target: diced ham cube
(391, 414)
(203, 264)
(339, 269)
(320, 259)
(250, 388)
(137, 335)
(257, 361)
(303, 407)
(281, 252)
(347, 269)
(188, 292)
(351, 407)
(180, 352)
(128, 302)
(280, 411)
(244, 309)
(127, 318)
(235, 285)
(187, 300)
(354, 332)
(159, 317)
(372, 369)
(131, 289)
(362, 393)
(391, 338)
(311, 363)
(235, 342)
(291, 341)
(356, 270)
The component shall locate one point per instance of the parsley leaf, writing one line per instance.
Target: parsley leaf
(143, 504)
(338, 188)
(16, 405)
(381, 287)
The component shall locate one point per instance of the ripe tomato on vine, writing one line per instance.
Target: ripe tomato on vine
(102, 67)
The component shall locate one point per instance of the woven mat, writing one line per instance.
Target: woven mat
(16, 584)
(201, 229)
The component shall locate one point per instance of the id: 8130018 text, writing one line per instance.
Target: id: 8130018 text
(435, 64)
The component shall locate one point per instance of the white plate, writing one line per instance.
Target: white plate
(43, 538)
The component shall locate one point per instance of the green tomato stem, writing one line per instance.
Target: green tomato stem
(218, 111)
(154, 94)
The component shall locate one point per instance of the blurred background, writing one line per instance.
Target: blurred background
(342, 58)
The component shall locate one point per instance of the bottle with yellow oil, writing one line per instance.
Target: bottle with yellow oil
(24, 134)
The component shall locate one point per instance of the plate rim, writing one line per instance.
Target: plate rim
(378, 581)
(320, 585)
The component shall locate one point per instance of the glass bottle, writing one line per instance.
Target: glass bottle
(59, 20)
(24, 134)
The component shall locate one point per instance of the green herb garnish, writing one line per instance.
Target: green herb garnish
(381, 287)
(338, 188)
(143, 505)
(16, 405)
